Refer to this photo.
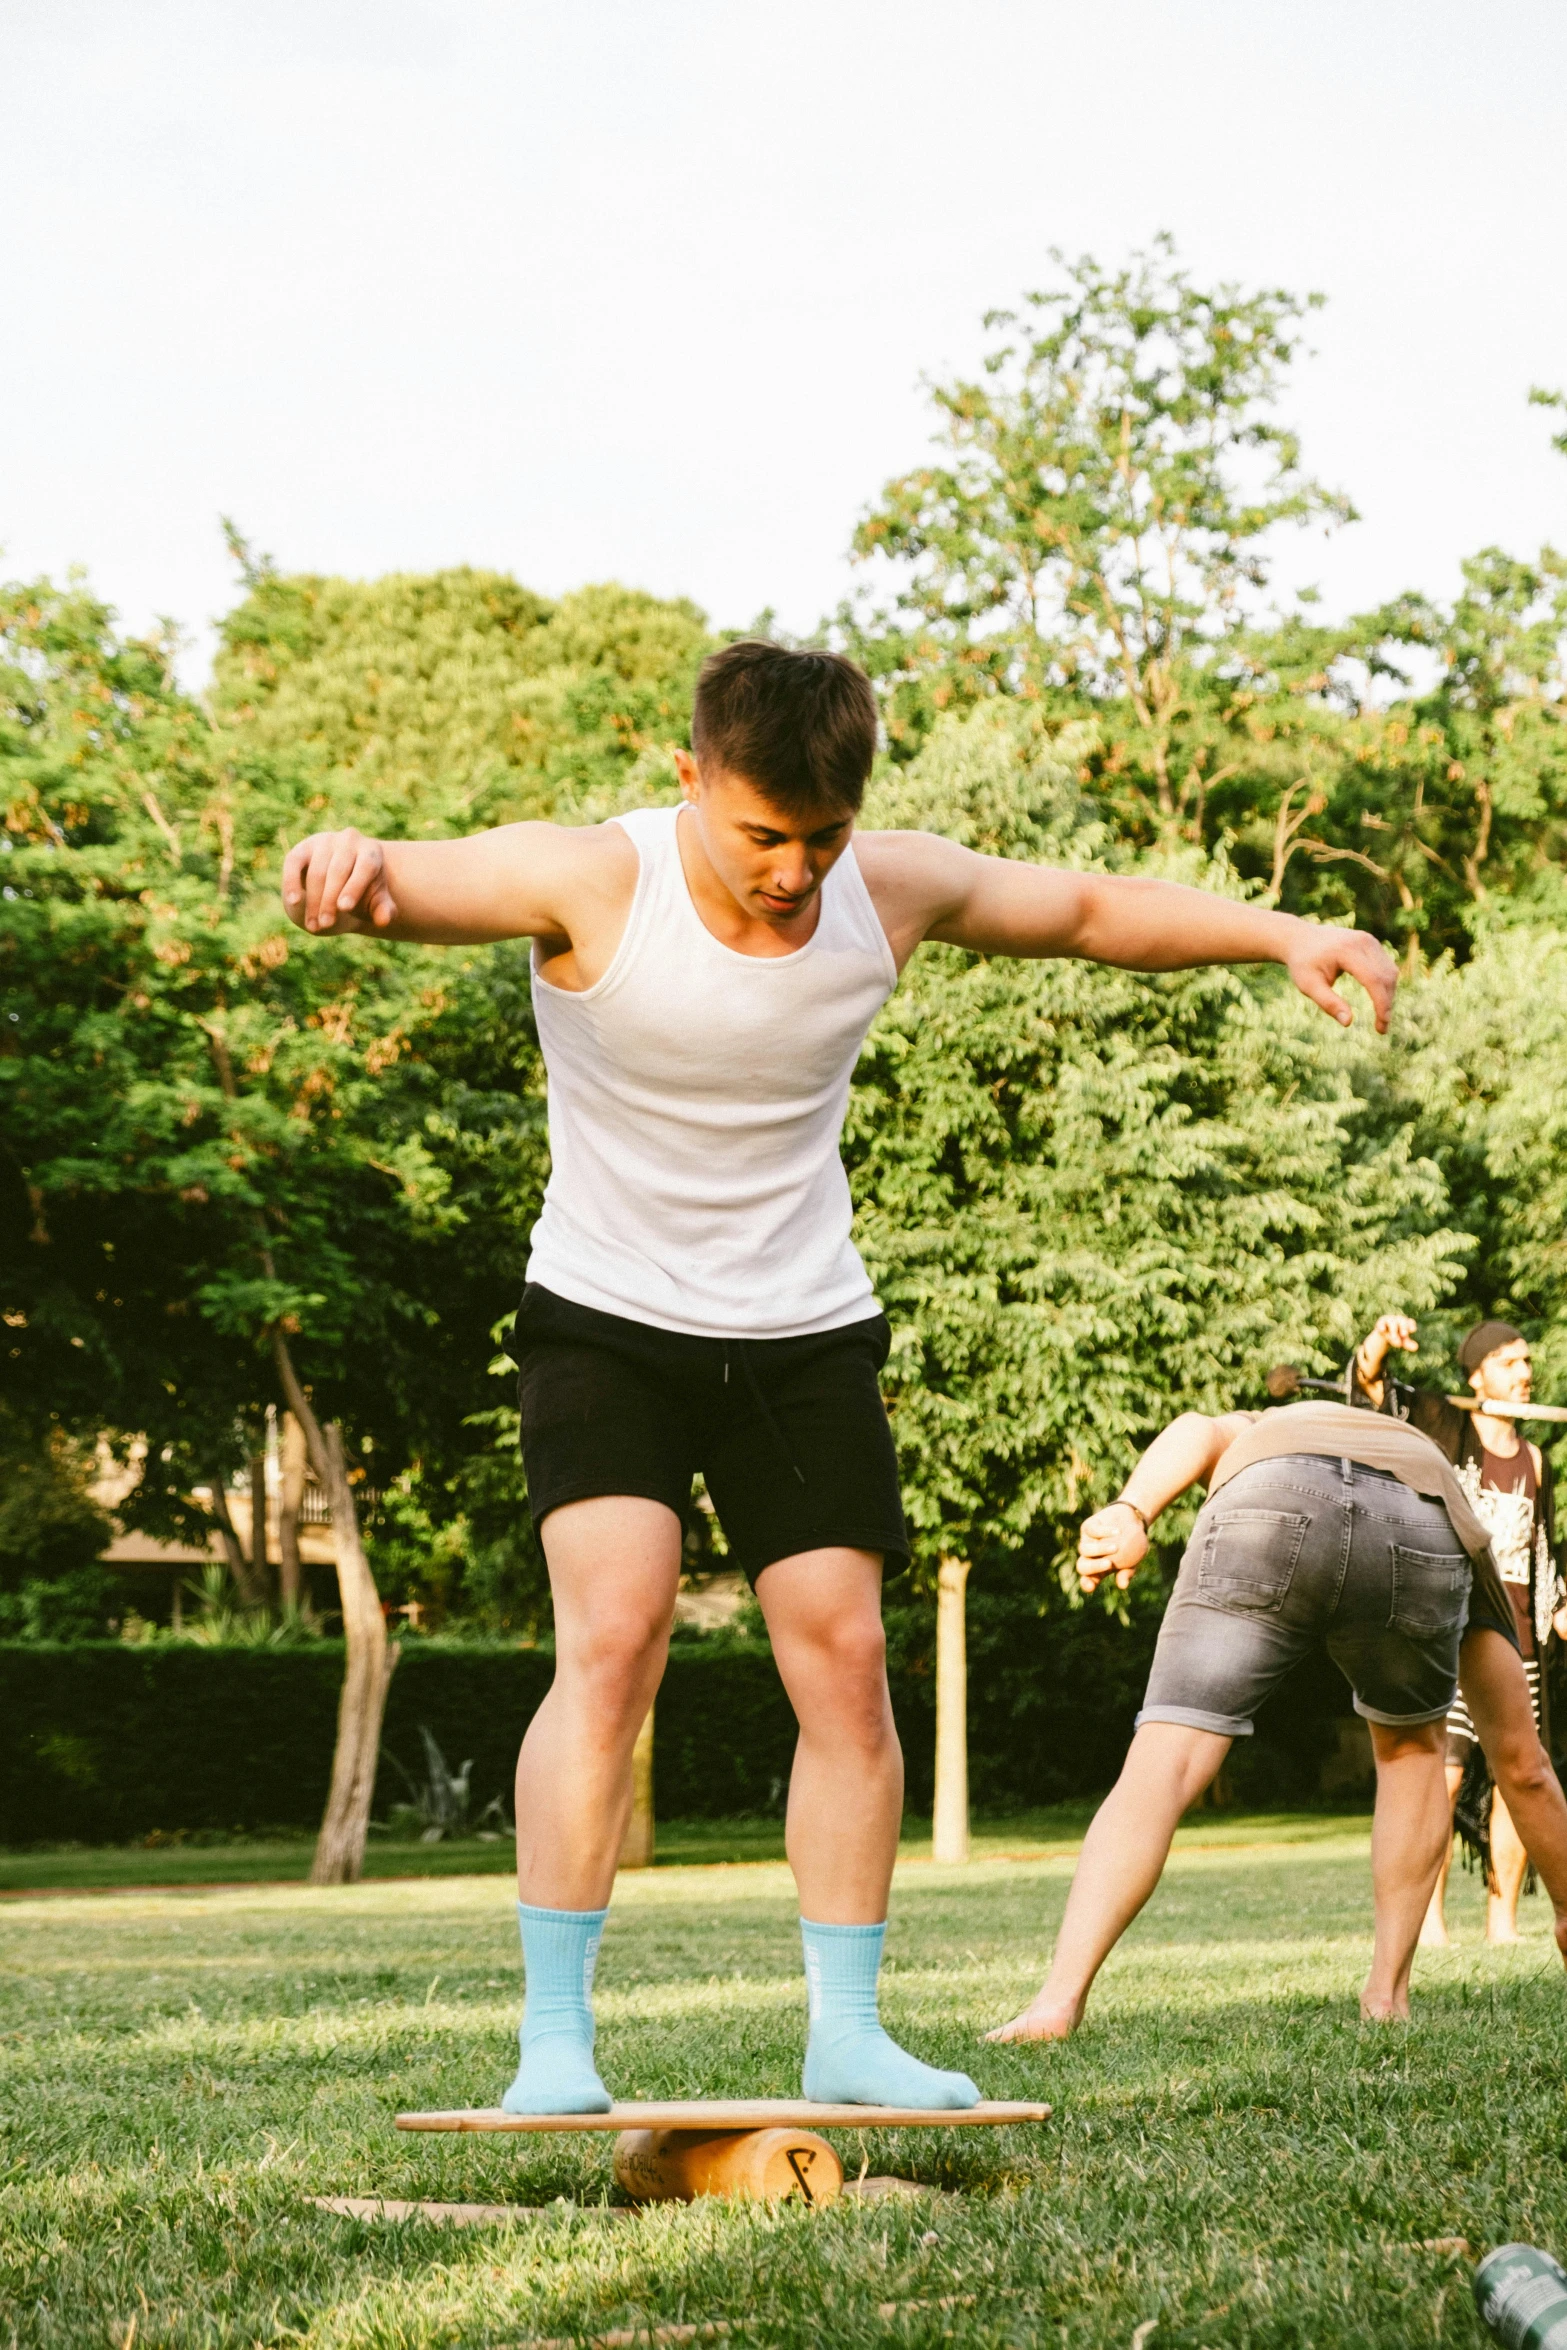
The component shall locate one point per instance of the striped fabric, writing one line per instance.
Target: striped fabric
(1460, 1723)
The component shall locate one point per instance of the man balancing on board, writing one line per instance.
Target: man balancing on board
(1508, 1480)
(1324, 1525)
(704, 977)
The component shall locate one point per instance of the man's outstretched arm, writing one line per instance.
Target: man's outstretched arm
(998, 907)
(519, 881)
(1115, 1539)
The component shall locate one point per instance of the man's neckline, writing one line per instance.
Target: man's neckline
(789, 954)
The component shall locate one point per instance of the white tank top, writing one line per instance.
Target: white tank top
(696, 1097)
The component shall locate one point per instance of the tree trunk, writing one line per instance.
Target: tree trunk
(340, 1846)
(233, 1548)
(258, 1524)
(636, 1851)
(291, 1494)
(950, 1825)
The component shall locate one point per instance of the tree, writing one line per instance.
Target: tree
(1093, 536)
(1482, 1082)
(1089, 1198)
(1100, 520)
(456, 695)
(245, 1169)
(51, 1532)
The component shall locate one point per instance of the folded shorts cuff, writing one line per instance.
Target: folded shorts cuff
(1431, 1713)
(1191, 1717)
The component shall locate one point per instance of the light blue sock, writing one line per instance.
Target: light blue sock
(560, 1949)
(849, 2059)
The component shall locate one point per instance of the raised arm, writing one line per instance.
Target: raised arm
(934, 888)
(1391, 1332)
(1115, 1539)
(519, 881)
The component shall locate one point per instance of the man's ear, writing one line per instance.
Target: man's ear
(689, 772)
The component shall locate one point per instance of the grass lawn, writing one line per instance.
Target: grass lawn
(283, 1858)
(1233, 2158)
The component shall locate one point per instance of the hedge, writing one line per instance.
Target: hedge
(103, 1742)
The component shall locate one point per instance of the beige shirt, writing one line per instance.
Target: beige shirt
(1342, 1433)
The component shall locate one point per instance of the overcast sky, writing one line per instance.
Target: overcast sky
(644, 289)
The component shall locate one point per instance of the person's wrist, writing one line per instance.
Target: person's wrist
(1290, 933)
(1124, 1501)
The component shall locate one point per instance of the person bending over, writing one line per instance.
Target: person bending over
(703, 979)
(1323, 1525)
(1510, 1483)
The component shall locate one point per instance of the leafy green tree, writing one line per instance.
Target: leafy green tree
(1090, 1198)
(51, 1532)
(1475, 799)
(1100, 518)
(1405, 810)
(1481, 1078)
(455, 698)
(1093, 535)
(245, 1169)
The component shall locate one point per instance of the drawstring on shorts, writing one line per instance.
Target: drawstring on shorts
(759, 1399)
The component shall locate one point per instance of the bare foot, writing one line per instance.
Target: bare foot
(1044, 2019)
(1378, 2008)
(1434, 1934)
(1502, 1934)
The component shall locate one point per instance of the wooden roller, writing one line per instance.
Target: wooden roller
(748, 2166)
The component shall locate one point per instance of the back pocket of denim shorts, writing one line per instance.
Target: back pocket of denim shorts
(1430, 1589)
(1248, 1558)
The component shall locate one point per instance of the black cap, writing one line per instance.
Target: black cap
(1483, 1340)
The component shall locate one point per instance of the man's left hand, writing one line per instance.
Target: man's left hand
(1111, 1542)
(1321, 954)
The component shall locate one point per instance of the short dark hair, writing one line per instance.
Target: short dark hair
(799, 725)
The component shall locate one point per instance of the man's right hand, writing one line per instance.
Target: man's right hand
(1393, 1331)
(336, 882)
(1111, 1542)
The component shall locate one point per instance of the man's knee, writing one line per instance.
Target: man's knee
(850, 1653)
(611, 1660)
(1522, 1764)
(839, 1675)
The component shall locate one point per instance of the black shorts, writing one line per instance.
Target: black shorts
(789, 1434)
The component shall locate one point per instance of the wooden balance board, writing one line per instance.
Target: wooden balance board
(755, 2149)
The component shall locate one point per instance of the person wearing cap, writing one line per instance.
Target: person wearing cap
(1508, 1479)
(1324, 1526)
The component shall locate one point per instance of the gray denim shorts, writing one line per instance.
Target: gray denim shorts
(1305, 1549)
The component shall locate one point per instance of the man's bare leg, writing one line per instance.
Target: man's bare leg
(823, 1614)
(1411, 1824)
(1510, 1862)
(1128, 1842)
(823, 1611)
(1434, 1934)
(1496, 1692)
(614, 1567)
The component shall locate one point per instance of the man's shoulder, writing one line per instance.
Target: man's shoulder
(608, 849)
(914, 880)
(918, 868)
(900, 851)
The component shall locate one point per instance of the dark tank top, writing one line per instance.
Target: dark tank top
(1507, 1501)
